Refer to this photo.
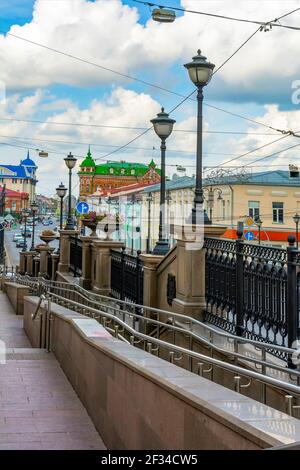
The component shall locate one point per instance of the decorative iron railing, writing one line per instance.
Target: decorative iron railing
(253, 290)
(127, 277)
(76, 255)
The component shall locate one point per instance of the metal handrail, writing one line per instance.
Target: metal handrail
(279, 384)
(191, 334)
(186, 319)
(41, 299)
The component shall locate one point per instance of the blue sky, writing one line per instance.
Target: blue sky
(43, 85)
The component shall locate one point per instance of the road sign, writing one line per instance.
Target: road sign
(82, 207)
(249, 221)
(249, 236)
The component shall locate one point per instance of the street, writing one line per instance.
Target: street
(12, 252)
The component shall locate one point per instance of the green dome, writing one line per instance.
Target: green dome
(88, 161)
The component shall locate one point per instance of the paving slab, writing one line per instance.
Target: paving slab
(39, 409)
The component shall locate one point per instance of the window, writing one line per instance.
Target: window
(132, 172)
(111, 170)
(253, 209)
(122, 171)
(223, 209)
(277, 212)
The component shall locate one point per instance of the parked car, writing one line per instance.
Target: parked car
(28, 233)
(20, 243)
(17, 235)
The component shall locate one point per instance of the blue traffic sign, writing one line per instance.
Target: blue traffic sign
(82, 207)
(249, 236)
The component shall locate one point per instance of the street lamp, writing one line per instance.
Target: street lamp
(149, 199)
(259, 224)
(34, 208)
(211, 199)
(200, 72)
(163, 126)
(25, 214)
(61, 192)
(70, 162)
(296, 219)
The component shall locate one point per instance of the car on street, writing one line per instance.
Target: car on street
(16, 236)
(28, 233)
(20, 243)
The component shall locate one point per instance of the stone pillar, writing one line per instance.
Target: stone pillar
(86, 277)
(22, 262)
(101, 265)
(29, 262)
(150, 263)
(45, 252)
(64, 260)
(36, 265)
(55, 260)
(190, 277)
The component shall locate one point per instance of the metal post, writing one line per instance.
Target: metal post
(122, 273)
(162, 246)
(297, 232)
(33, 231)
(25, 230)
(239, 282)
(2, 213)
(291, 304)
(70, 222)
(149, 223)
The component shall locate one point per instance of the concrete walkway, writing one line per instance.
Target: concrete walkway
(38, 407)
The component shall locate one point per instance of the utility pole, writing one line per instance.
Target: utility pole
(2, 213)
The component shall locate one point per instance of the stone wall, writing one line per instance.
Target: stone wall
(15, 293)
(139, 401)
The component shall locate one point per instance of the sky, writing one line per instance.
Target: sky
(72, 99)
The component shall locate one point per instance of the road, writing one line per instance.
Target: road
(12, 251)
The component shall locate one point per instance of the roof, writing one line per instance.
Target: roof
(13, 193)
(121, 168)
(178, 183)
(28, 162)
(88, 161)
(128, 189)
(266, 178)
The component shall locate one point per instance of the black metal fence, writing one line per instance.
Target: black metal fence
(127, 277)
(76, 255)
(253, 290)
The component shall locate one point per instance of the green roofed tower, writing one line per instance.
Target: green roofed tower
(112, 174)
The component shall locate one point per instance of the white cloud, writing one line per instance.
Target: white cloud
(108, 32)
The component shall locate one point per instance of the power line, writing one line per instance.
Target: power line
(107, 126)
(224, 17)
(185, 98)
(253, 150)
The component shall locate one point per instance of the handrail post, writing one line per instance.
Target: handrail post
(122, 272)
(239, 284)
(291, 301)
(138, 284)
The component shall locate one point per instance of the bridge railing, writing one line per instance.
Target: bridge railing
(253, 290)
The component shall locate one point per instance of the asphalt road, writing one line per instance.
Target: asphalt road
(12, 251)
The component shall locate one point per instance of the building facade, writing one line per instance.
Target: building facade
(271, 196)
(14, 201)
(20, 178)
(111, 175)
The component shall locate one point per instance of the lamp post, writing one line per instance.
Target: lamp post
(25, 214)
(200, 72)
(296, 219)
(61, 192)
(211, 199)
(34, 208)
(163, 127)
(70, 162)
(259, 224)
(149, 199)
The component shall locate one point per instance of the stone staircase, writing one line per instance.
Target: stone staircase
(39, 410)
